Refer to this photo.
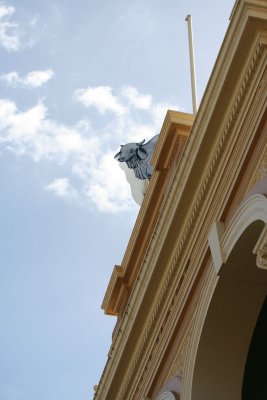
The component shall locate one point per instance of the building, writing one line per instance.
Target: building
(190, 294)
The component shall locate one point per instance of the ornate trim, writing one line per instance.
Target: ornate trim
(261, 250)
(166, 396)
(253, 209)
(170, 279)
(178, 368)
(261, 260)
(180, 144)
(262, 170)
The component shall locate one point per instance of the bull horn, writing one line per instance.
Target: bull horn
(140, 143)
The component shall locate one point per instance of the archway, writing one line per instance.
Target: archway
(231, 300)
(230, 322)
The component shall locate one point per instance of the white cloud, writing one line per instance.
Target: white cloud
(84, 151)
(33, 79)
(107, 187)
(31, 132)
(25, 125)
(158, 111)
(5, 10)
(141, 101)
(21, 34)
(101, 98)
(7, 109)
(61, 187)
(9, 37)
(37, 78)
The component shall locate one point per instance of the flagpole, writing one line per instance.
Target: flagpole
(192, 63)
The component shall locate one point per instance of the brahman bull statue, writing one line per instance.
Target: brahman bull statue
(137, 157)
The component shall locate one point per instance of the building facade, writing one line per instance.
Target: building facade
(190, 293)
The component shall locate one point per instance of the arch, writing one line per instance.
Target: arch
(252, 210)
(222, 240)
(229, 308)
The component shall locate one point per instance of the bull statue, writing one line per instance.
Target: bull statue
(137, 157)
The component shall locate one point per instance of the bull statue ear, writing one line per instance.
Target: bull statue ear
(141, 152)
(140, 143)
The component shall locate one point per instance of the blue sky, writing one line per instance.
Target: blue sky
(77, 79)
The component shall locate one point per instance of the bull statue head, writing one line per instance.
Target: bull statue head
(130, 150)
(137, 156)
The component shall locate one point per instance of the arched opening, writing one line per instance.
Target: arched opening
(230, 322)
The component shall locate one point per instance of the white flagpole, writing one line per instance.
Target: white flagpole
(192, 63)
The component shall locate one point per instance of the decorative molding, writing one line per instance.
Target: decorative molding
(178, 368)
(218, 155)
(125, 298)
(261, 250)
(214, 238)
(166, 396)
(253, 209)
(205, 296)
(262, 170)
(180, 144)
(261, 260)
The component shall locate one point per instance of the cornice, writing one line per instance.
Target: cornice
(170, 145)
